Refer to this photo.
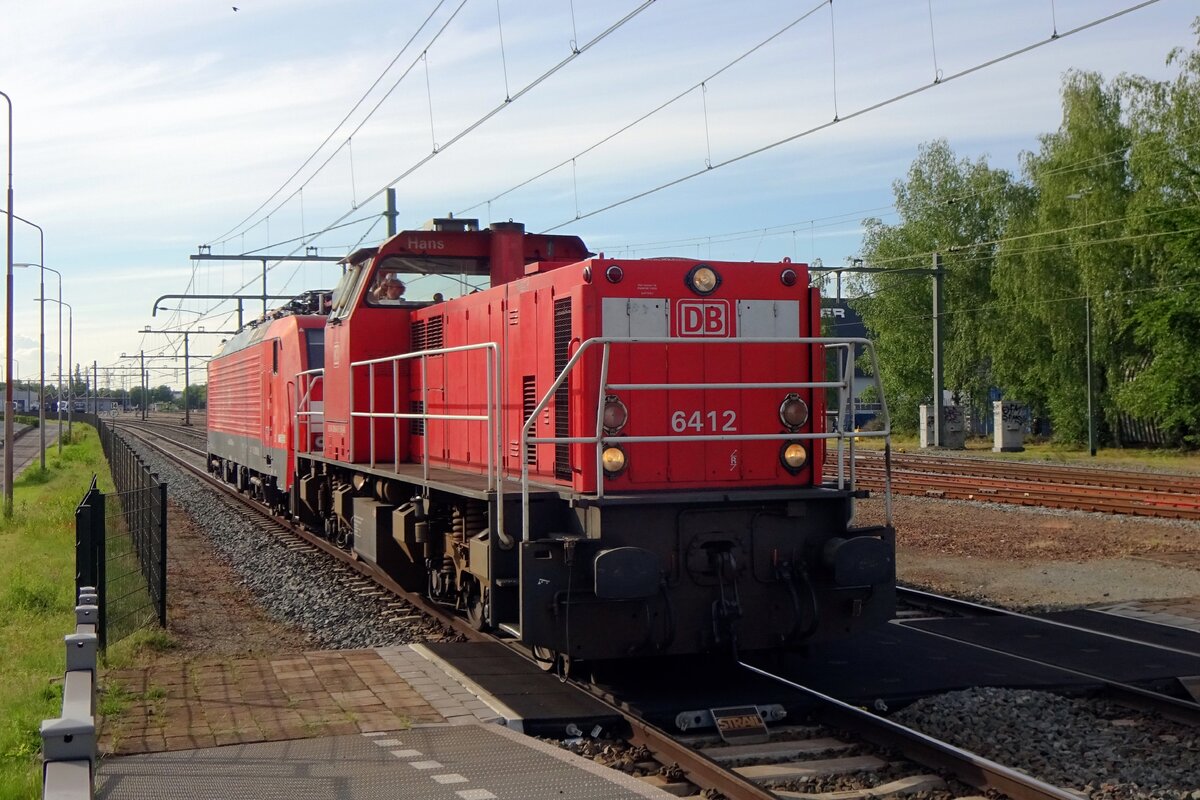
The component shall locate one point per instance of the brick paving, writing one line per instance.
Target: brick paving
(209, 702)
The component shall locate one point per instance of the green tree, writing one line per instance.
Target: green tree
(198, 394)
(958, 208)
(1163, 375)
(1065, 250)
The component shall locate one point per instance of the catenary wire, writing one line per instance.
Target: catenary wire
(856, 113)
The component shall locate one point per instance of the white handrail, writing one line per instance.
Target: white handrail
(844, 387)
(306, 383)
(492, 393)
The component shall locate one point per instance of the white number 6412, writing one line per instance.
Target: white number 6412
(711, 421)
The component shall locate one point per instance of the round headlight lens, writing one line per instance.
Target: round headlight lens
(614, 274)
(613, 459)
(703, 279)
(788, 277)
(794, 456)
(615, 414)
(793, 412)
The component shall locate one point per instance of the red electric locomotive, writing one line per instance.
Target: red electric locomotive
(604, 458)
(251, 391)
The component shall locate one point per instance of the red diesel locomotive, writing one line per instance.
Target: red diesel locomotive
(604, 458)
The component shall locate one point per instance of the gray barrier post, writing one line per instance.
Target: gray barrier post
(69, 742)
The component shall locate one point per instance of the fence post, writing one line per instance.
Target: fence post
(162, 554)
(85, 565)
(98, 550)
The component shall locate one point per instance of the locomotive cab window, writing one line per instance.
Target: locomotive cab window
(314, 341)
(388, 283)
(347, 288)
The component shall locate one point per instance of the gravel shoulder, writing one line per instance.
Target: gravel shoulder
(1027, 557)
(209, 610)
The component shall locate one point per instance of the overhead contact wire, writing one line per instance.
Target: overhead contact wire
(651, 112)
(937, 73)
(507, 103)
(368, 117)
(503, 58)
(337, 127)
(833, 58)
(860, 112)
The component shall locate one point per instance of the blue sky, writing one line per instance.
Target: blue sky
(144, 129)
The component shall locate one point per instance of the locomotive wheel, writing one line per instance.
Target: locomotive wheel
(549, 660)
(476, 605)
(545, 658)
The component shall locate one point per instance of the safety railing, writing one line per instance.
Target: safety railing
(69, 741)
(495, 464)
(309, 417)
(845, 443)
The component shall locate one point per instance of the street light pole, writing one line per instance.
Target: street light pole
(58, 394)
(71, 345)
(8, 322)
(41, 333)
(1087, 321)
(70, 363)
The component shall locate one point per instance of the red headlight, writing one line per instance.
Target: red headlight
(793, 411)
(615, 414)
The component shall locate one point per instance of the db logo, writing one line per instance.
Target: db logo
(702, 318)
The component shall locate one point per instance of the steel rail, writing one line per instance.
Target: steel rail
(1182, 711)
(971, 768)
(1038, 485)
(699, 769)
(1173, 482)
(1067, 496)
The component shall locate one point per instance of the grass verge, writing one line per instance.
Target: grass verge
(37, 587)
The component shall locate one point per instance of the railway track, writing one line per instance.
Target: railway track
(1147, 494)
(1182, 708)
(843, 738)
(296, 536)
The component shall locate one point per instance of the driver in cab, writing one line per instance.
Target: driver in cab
(390, 291)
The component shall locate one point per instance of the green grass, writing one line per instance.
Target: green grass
(37, 587)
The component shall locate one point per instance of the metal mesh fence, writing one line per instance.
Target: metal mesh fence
(121, 542)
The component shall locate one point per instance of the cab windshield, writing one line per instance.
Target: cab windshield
(343, 294)
(391, 278)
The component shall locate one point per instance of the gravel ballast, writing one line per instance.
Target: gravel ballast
(1099, 748)
(301, 588)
